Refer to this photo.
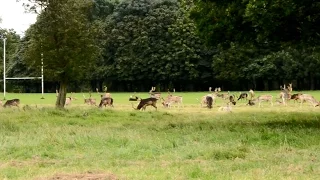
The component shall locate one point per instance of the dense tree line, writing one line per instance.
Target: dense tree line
(267, 42)
(182, 44)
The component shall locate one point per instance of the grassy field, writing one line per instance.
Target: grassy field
(84, 142)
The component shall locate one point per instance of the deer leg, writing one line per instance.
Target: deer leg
(154, 106)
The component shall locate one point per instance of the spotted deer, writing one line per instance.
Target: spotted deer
(90, 100)
(172, 100)
(154, 94)
(267, 98)
(308, 98)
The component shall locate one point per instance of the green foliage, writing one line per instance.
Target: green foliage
(150, 41)
(265, 40)
(65, 36)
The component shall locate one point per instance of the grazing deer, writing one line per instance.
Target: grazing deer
(223, 95)
(106, 101)
(154, 94)
(308, 98)
(204, 100)
(232, 100)
(146, 102)
(12, 102)
(243, 96)
(267, 98)
(251, 102)
(295, 97)
(209, 101)
(172, 100)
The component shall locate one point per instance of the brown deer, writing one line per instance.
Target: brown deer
(146, 102)
(204, 100)
(295, 97)
(106, 101)
(209, 101)
(12, 102)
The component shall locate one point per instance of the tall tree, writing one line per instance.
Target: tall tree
(65, 35)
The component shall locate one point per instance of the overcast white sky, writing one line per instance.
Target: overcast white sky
(13, 16)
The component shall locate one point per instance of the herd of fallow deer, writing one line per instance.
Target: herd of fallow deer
(207, 100)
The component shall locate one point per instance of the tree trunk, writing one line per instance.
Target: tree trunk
(312, 82)
(61, 99)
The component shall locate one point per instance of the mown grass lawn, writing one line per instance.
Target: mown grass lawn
(187, 143)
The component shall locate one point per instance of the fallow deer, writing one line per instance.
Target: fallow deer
(12, 102)
(267, 98)
(308, 98)
(146, 102)
(106, 101)
(154, 94)
(90, 100)
(172, 100)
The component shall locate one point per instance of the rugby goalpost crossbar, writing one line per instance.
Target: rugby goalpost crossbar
(19, 78)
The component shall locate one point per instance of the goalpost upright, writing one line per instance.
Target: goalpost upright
(19, 78)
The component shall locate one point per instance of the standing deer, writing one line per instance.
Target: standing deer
(172, 100)
(106, 101)
(285, 93)
(154, 94)
(90, 100)
(267, 98)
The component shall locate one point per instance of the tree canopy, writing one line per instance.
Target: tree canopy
(131, 45)
(64, 37)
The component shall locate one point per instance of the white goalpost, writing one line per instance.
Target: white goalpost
(19, 78)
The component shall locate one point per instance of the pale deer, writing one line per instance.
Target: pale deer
(267, 98)
(173, 100)
(90, 100)
(69, 99)
(308, 98)
(227, 108)
(252, 95)
(154, 94)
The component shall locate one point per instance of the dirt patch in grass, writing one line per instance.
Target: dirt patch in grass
(82, 176)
